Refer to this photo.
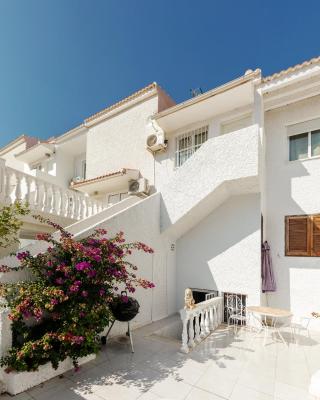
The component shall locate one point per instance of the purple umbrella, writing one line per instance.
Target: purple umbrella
(268, 280)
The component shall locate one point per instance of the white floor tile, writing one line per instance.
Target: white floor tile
(258, 382)
(219, 383)
(288, 392)
(199, 394)
(171, 388)
(244, 393)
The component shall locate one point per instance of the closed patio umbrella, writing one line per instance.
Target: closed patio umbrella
(268, 280)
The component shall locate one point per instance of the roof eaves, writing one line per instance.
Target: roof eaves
(292, 69)
(213, 92)
(19, 140)
(122, 102)
(122, 171)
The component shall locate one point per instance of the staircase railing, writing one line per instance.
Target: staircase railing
(44, 196)
(200, 321)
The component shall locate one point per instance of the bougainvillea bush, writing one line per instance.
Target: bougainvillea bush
(62, 311)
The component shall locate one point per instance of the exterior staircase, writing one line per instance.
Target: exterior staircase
(224, 166)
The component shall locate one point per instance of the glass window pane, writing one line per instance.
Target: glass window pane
(315, 143)
(298, 147)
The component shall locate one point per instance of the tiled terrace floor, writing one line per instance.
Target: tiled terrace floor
(224, 366)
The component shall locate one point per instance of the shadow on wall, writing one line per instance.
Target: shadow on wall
(282, 201)
(222, 252)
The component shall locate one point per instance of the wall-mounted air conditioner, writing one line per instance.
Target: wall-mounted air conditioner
(138, 187)
(155, 141)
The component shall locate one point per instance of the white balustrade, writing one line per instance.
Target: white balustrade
(199, 322)
(44, 196)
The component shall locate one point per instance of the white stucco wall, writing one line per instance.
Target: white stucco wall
(165, 161)
(140, 222)
(120, 142)
(11, 160)
(224, 165)
(292, 188)
(223, 251)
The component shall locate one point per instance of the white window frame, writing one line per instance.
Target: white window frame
(190, 150)
(310, 156)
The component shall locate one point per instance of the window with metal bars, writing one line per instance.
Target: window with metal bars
(188, 143)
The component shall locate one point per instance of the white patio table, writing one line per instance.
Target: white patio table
(268, 314)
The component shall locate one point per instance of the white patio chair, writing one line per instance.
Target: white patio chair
(236, 311)
(282, 323)
(301, 325)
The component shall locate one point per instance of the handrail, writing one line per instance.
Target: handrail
(200, 321)
(44, 196)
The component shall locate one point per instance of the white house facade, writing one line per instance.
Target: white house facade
(203, 182)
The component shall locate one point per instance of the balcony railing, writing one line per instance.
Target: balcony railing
(43, 196)
(200, 321)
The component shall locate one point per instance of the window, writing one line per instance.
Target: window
(115, 198)
(305, 145)
(188, 143)
(303, 235)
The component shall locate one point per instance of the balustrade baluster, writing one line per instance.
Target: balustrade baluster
(46, 198)
(37, 195)
(211, 319)
(2, 178)
(18, 192)
(86, 209)
(8, 187)
(197, 338)
(191, 332)
(60, 201)
(185, 347)
(215, 317)
(207, 322)
(54, 199)
(202, 325)
(28, 191)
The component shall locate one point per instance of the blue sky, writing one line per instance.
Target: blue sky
(63, 60)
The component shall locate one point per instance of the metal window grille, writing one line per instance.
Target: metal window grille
(188, 143)
(234, 303)
(200, 295)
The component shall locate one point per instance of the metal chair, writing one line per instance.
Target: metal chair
(302, 325)
(235, 311)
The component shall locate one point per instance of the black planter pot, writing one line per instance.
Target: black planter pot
(124, 311)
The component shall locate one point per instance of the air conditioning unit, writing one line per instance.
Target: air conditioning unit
(138, 187)
(156, 142)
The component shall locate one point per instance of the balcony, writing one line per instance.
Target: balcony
(45, 197)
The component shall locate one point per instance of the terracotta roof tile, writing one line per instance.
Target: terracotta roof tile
(289, 70)
(122, 171)
(133, 96)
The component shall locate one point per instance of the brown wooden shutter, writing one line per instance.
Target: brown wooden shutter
(298, 236)
(315, 243)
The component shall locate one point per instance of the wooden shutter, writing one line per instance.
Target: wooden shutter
(315, 243)
(298, 235)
